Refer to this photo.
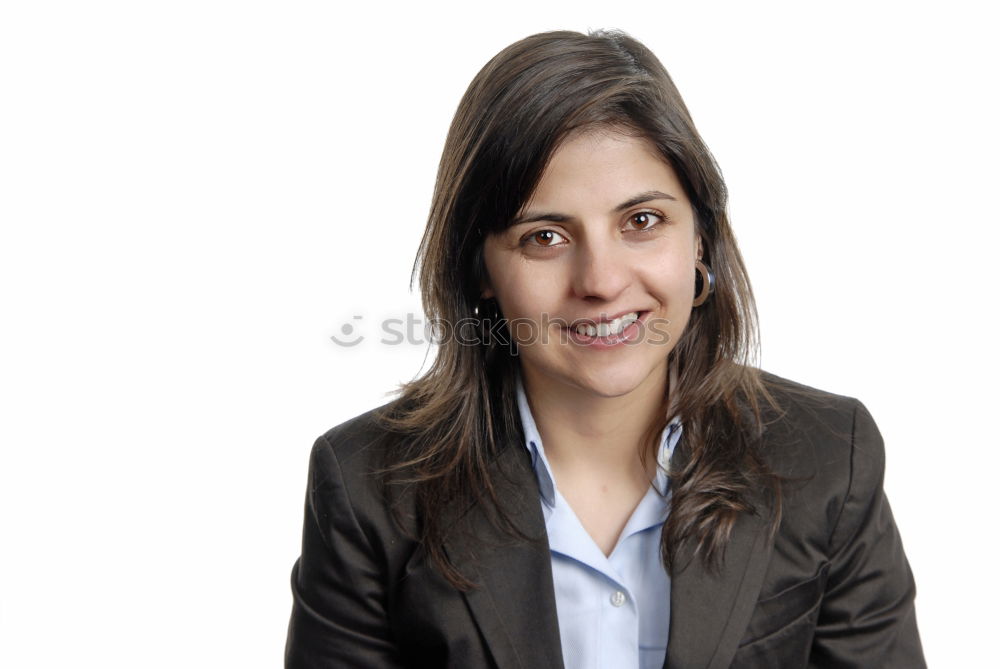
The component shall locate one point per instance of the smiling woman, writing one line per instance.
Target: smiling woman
(615, 484)
(602, 264)
(607, 254)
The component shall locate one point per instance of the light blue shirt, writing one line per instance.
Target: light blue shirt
(614, 611)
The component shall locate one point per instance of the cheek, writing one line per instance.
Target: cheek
(523, 300)
(674, 276)
(523, 289)
(519, 293)
(684, 282)
(502, 282)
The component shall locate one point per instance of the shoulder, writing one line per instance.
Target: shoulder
(830, 453)
(809, 426)
(344, 476)
(361, 446)
(357, 441)
(837, 567)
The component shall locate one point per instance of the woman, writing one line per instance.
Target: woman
(591, 474)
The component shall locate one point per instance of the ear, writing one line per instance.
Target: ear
(699, 251)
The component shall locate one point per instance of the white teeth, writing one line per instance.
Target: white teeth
(615, 327)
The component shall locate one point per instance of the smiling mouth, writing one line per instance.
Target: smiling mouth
(608, 333)
(607, 328)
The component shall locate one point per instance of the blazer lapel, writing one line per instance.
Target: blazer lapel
(709, 611)
(514, 602)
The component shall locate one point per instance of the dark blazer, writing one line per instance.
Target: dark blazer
(831, 588)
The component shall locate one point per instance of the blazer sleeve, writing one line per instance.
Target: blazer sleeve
(338, 586)
(867, 616)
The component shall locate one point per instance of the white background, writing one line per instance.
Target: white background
(196, 195)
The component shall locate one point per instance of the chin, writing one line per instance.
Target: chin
(611, 384)
(593, 377)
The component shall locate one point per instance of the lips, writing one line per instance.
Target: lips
(601, 318)
(608, 334)
(607, 328)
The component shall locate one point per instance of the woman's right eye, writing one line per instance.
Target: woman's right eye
(543, 238)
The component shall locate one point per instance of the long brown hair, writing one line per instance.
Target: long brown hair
(455, 418)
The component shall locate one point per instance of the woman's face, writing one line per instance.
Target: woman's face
(608, 233)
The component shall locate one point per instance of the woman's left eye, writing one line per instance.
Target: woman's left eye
(644, 220)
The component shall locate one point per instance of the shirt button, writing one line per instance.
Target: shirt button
(618, 599)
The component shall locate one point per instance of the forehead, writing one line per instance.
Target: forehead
(602, 166)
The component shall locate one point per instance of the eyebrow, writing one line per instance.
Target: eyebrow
(645, 196)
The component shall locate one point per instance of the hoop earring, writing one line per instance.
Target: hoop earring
(490, 310)
(704, 272)
(486, 313)
(493, 340)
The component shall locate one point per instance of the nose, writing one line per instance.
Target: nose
(600, 270)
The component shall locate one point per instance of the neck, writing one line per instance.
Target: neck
(584, 431)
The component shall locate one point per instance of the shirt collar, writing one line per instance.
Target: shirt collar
(533, 442)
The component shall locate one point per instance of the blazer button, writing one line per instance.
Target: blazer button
(618, 599)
